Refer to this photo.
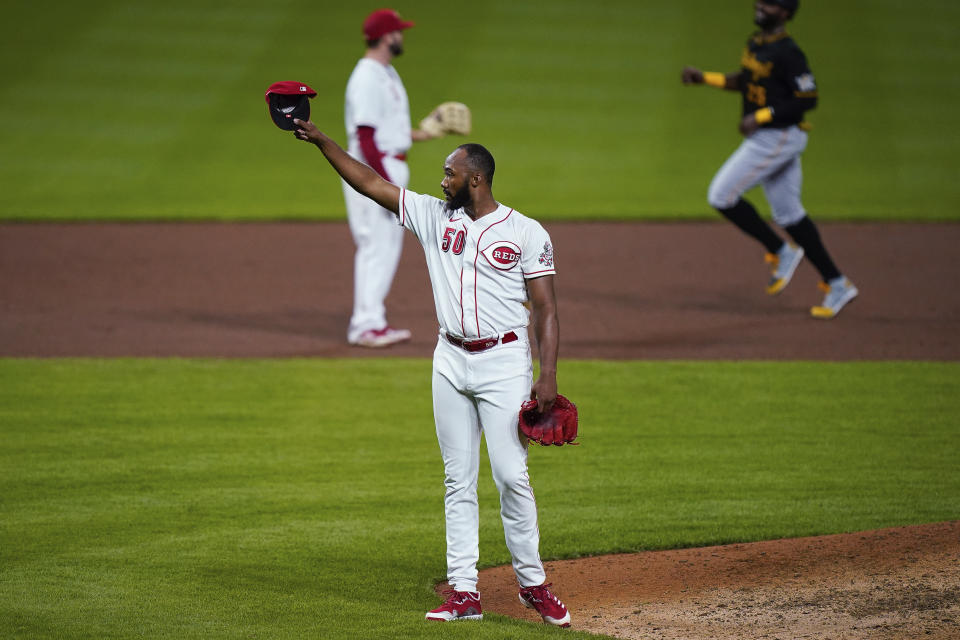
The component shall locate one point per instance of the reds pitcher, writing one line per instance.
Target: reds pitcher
(485, 261)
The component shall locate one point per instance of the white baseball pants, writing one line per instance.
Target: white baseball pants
(770, 157)
(379, 242)
(476, 393)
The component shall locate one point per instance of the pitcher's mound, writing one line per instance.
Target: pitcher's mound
(874, 585)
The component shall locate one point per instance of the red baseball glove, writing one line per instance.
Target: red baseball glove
(558, 426)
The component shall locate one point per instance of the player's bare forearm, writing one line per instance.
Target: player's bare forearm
(358, 175)
(727, 81)
(544, 390)
(749, 124)
(546, 328)
(732, 81)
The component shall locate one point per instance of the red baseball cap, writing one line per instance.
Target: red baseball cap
(288, 100)
(383, 21)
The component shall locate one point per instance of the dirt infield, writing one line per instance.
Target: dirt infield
(627, 291)
(652, 291)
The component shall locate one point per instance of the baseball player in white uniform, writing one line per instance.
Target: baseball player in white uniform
(485, 262)
(377, 119)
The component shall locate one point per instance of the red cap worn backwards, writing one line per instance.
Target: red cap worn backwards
(383, 21)
(288, 100)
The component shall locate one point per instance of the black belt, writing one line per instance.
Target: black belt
(481, 344)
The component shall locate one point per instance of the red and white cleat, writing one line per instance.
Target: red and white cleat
(546, 604)
(460, 605)
(377, 338)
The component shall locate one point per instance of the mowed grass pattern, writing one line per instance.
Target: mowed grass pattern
(155, 110)
(294, 498)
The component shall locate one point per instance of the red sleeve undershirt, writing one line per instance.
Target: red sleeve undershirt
(372, 155)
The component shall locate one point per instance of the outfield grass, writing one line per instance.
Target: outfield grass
(154, 109)
(303, 498)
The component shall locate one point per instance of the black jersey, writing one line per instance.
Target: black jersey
(775, 74)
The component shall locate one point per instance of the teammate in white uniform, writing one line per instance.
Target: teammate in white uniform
(485, 262)
(377, 119)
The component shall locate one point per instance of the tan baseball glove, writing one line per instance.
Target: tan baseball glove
(449, 117)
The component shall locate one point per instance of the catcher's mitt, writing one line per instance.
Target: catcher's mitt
(558, 426)
(449, 117)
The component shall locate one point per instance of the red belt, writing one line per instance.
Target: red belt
(481, 344)
(400, 156)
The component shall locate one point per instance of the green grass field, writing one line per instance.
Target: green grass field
(303, 498)
(154, 110)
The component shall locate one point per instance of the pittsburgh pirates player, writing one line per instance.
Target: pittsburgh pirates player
(777, 88)
(485, 261)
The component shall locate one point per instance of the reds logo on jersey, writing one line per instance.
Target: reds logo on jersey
(502, 255)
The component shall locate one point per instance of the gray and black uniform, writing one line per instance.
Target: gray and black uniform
(777, 86)
(775, 79)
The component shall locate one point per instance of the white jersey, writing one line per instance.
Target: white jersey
(376, 98)
(478, 268)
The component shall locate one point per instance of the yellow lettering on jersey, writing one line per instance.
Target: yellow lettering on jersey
(757, 68)
(756, 94)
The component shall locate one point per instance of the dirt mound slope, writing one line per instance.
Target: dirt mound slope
(875, 585)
